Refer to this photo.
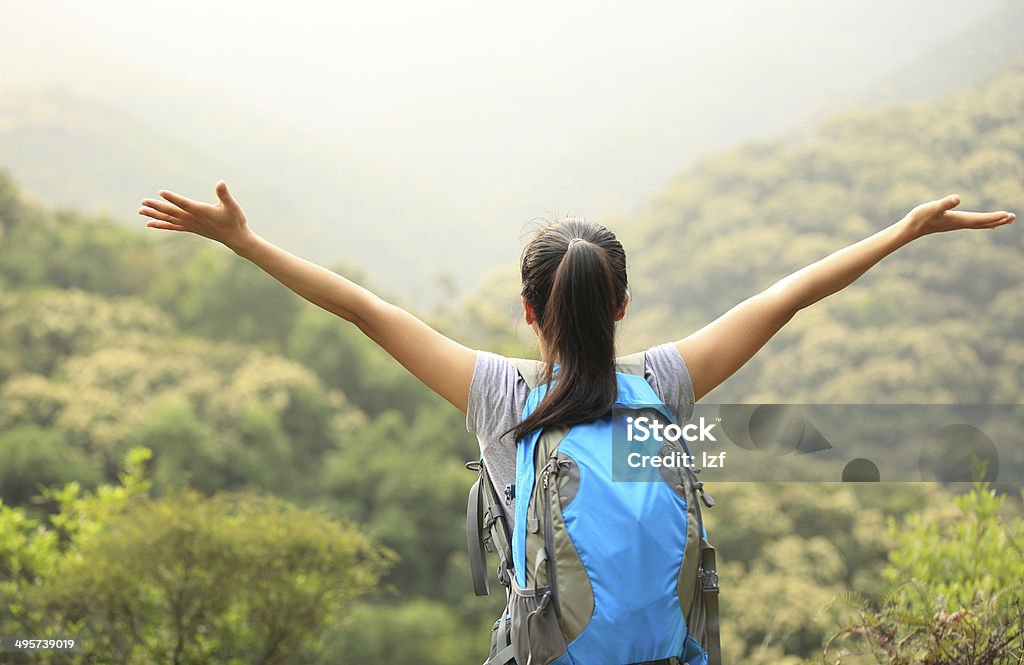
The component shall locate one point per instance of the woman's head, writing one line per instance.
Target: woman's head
(573, 293)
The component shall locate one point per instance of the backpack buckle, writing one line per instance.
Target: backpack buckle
(503, 573)
(488, 545)
(709, 580)
(510, 493)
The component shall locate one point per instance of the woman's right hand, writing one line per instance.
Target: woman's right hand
(938, 216)
(224, 221)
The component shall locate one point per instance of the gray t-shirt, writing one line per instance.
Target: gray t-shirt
(497, 397)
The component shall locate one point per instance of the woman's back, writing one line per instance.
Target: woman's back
(497, 397)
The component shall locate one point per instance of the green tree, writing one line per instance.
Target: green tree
(34, 457)
(955, 593)
(215, 294)
(344, 358)
(181, 578)
(187, 455)
(416, 631)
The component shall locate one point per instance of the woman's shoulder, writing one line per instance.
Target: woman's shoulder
(495, 364)
(497, 391)
(652, 358)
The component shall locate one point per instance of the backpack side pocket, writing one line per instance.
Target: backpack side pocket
(501, 652)
(537, 638)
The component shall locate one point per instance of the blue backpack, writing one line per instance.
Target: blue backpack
(607, 564)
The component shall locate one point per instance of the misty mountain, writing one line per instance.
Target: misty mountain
(80, 152)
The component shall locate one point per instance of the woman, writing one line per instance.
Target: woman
(574, 290)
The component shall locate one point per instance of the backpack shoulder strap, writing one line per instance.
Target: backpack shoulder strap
(487, 530)
(709, 589)
(631, 364)
(530, 370)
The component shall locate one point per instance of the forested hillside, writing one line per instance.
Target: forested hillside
(112, 339)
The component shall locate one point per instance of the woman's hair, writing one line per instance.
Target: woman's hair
(575, 290)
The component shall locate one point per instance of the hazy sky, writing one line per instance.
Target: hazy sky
(356, 66)
(371, 57)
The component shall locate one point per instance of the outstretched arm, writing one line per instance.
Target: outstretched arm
(719, 349)
(441, 363)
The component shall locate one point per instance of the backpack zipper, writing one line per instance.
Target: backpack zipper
(550, 469)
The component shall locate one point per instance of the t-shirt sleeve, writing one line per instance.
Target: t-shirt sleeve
(668, 375)
(491, 407)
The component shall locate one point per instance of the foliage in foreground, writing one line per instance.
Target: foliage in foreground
(956, 592)
(234, 578)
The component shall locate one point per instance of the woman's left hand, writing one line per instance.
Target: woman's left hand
(224, 222)
(937, 216)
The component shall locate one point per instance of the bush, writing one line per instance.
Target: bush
(955, 592)
(236, 578)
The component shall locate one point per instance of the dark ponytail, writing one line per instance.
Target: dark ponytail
(576, 288)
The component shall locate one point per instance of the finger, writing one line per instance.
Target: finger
(166, 225)
(949, 202)
(1006, 220)
(188, 205)
(937, 207)
(224, 195)
(974, 219)
(163, 217)
(166, 208)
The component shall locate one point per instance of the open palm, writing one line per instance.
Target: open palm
(223, 221)
(937, 216)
